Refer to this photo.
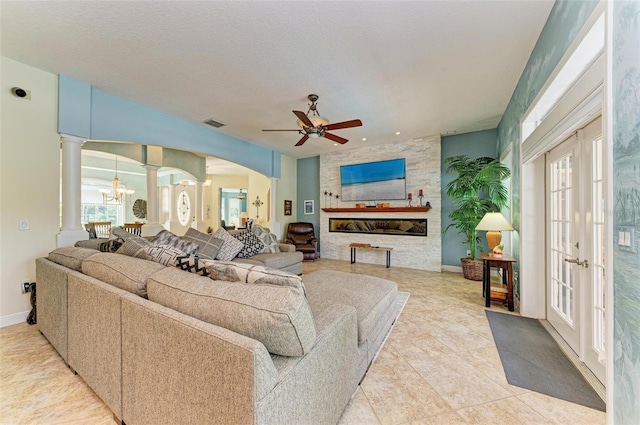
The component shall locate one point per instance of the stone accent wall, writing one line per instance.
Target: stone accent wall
(422, 158)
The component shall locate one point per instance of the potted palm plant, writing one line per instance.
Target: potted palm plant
(476, 190)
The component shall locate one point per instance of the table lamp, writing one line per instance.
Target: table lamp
(493, 223)
(244, 216)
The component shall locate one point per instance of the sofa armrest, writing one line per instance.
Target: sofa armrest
(209, 373)
(287, 247)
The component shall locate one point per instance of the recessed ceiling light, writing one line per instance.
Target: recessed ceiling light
(335, 144)
(364, 139)
(397, 133)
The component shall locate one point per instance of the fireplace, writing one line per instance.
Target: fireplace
(380, 226)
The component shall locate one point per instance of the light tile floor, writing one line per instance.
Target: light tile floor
(439, 366)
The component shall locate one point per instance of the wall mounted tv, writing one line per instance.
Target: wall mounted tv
(373, 181)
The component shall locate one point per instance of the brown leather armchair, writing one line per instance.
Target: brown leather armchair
(302, 236)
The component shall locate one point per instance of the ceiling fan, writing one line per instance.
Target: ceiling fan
(313, 125)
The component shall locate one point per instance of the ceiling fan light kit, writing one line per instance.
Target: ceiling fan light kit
(314, 126)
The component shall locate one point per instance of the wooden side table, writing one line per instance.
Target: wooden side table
(376, 248)
(505, 263)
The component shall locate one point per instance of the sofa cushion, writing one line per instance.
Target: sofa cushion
(251, 244)
(278, 260)
(71, 256)
(277, 316)
(269, 240)
(231, 246)
(164, 254)
(371, 296)
(165, 237)
(249, 273)
(208, 245)
(123, 272)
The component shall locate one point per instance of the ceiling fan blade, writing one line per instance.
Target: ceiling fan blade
(344, 124)
(335, 138)
(283, 130)
(301, 141)
(304, 118)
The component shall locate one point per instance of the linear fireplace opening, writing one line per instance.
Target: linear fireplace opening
(385, 226)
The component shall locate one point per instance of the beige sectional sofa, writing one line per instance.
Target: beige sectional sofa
(160, 345)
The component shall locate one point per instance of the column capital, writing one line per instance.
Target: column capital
(151, 167)
(72, 139)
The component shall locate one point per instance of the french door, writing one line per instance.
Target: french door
(576, 243)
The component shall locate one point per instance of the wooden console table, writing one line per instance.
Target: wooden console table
(375, 248)
(506, 264)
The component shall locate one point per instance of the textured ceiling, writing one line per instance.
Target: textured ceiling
(418, 68)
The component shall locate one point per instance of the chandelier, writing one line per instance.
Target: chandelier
(241, 195)
(119, 191)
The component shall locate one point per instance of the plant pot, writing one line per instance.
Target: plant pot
(471, 269)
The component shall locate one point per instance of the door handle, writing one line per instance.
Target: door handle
(577, 261)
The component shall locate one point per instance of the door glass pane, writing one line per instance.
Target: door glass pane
(561, 243)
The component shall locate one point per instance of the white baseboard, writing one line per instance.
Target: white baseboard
(452, 269)
(13, 319)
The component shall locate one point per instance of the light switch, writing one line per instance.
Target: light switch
(24, 224)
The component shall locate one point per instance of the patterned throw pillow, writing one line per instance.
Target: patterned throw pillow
(251, 244)
(164, 254)
(193, 264)
(165, 237)
(208, 245)
(111, 245)
(231, 246)
(134, 247)
(269, 240)
(249, 273)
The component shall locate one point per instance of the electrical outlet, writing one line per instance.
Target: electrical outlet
(24, 224)
(25, 287)
(468, 253)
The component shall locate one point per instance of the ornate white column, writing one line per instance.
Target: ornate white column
(198, 223)
(71, 230)
(152, 226)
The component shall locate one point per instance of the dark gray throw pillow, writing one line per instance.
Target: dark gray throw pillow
(208, 245)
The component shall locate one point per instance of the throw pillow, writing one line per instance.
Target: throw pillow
(251, 244)
(111, 245)
(121, 233)
(193, 264)
(249, 273)
(164, 254)
(208, 245)
(134, 247)
(231, 246)
(165, 237)
(269, 240)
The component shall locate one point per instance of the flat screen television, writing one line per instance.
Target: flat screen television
(373, 181)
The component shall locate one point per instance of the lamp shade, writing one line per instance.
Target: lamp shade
(494, 221)
(244, 214)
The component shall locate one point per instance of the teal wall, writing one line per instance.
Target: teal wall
(87, 112)
(566, 19)
(309, 188)
(476, 144)
(626, 201)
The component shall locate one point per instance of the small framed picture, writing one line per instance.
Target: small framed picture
(287, 207)
(308, 207)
